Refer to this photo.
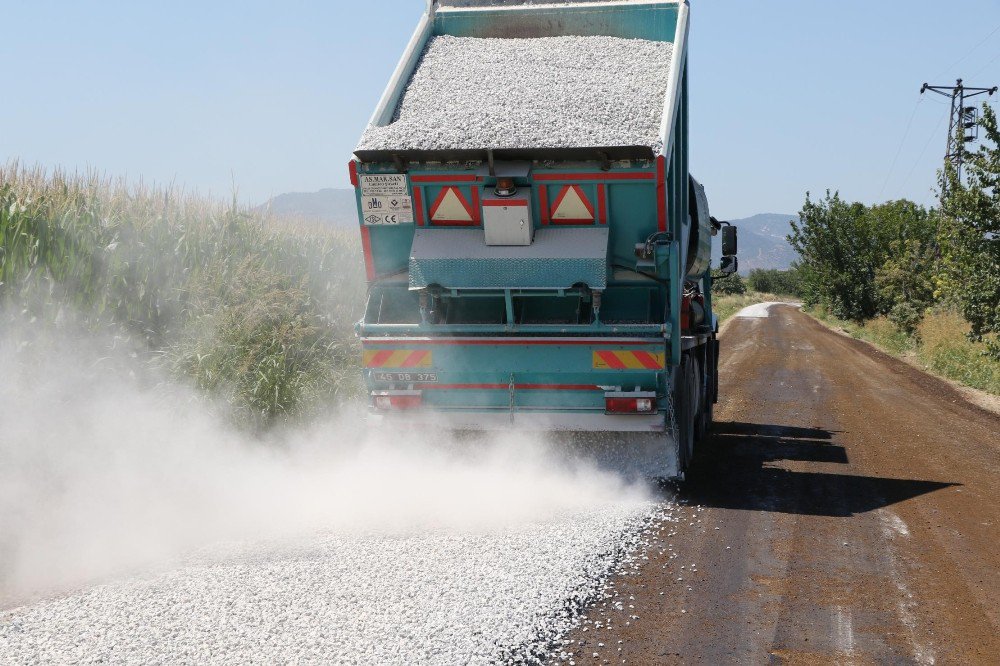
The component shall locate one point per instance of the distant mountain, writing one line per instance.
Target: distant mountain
(333, 207)
(762, 242)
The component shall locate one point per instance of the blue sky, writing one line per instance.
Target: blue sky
(787, 95)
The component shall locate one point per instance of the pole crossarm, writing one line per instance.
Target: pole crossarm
(962, 119)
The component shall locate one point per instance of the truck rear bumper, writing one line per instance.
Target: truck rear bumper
(631, 447)
(468, 420)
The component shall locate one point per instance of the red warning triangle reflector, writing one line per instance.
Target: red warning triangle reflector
(572, 205)
(451, 206)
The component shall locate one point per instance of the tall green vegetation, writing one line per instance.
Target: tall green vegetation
(774, 281)
(862, 261)
(916, 269)
(728, 285)
(258, 315)
(969, 271)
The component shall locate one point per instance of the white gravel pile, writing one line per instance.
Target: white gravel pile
(429, 598)
(554, 92)
(346, 543)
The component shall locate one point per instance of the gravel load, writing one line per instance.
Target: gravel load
(547, 92)
(444, 598)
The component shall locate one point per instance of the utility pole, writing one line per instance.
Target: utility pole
(963, 125)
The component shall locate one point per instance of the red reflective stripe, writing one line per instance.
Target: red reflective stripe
(506, 387)
(418, 205)
(380, 358)
(602, 204)
(556, 387)
(477, 213)
(450, 387)
(505, 202)
(515, 341)
(628, 175)
(447, 178)
(661, 194)
(453, 223)
(352, 170)
(414, 359)
(647, 359)
(611, 359)
(366, 250)
(543, 203)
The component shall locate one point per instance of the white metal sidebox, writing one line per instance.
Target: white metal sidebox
(507, 220)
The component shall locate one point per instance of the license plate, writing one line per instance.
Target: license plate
(415, 377)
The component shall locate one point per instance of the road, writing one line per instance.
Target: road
(845, 510)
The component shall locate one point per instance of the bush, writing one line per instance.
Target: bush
(727, 285)
(906, 317)
(946, 349)
(773, 281)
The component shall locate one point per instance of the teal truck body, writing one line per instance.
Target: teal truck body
(601, 321)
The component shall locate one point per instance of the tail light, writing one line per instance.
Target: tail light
(630, 403)
(386, 401)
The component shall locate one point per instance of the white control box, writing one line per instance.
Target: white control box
(507, 220)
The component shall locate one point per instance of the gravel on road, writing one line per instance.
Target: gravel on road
(138, 527)
(428, 598)
(554, 92)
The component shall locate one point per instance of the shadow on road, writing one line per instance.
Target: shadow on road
(734, 470)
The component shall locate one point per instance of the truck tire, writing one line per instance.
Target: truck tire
(686, 407)
(699, 398)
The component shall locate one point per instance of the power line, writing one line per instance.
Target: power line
(923, 150)
(987, 65)
(968, 53)
(906, 133)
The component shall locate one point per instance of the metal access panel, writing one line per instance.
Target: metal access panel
(507, 220)
(461, 259)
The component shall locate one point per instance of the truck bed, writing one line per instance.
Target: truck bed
(485, 80)
(471, 93)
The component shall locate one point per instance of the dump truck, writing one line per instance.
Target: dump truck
(537, 253)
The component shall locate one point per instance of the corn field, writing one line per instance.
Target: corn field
(257, 313)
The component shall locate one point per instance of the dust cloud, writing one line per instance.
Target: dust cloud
(107, 468)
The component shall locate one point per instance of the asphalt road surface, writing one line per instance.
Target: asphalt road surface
(845, 510)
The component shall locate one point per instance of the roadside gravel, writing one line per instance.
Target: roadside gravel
(556, 92)
(431, 598)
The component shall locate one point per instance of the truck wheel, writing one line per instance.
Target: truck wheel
(687, 390)
(699, 400)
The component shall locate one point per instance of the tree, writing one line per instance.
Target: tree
(774, 281)
(838, 250)
(862, 261)
(969, 273)
(725, 285)
(905, 281)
